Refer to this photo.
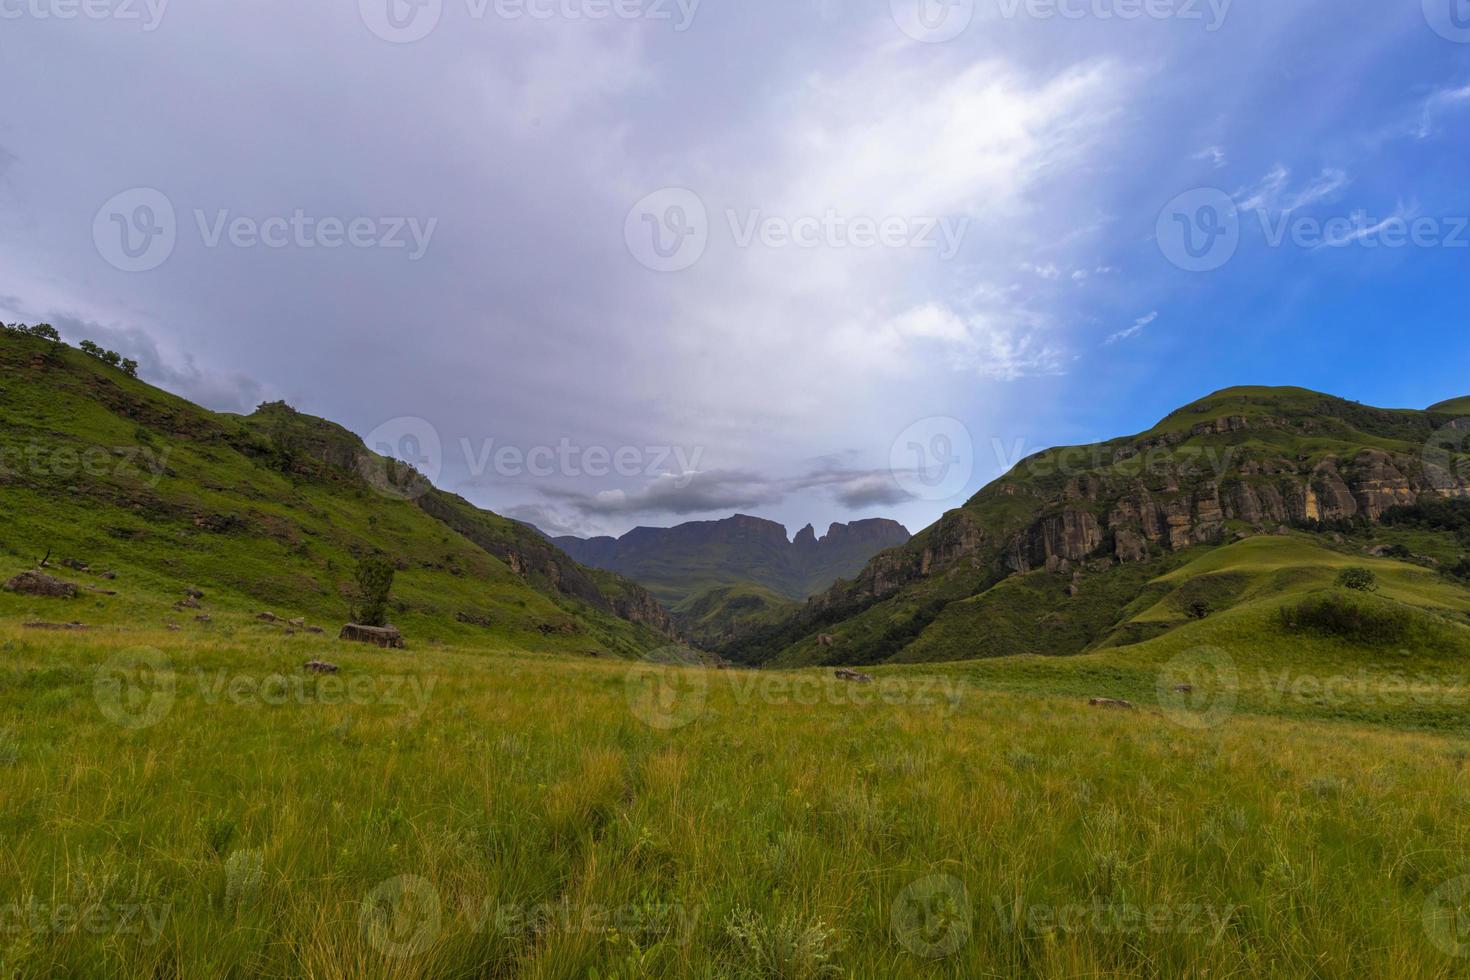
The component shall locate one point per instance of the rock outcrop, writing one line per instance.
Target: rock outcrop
(41, 584)
(386, 637)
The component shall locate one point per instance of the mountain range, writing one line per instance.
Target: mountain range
(1242, 502)
(1250, 495)
(679, 562)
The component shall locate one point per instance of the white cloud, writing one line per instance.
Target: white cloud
(1214, 155)
(1274, 192)
(1135, 330)
(1441, 100)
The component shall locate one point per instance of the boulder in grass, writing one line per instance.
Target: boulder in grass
(55, 626)
(41, 584)
(386, 637)
(321, 667)
(1112, 703)
(852, 675)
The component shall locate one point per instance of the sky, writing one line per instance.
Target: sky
(597, 264)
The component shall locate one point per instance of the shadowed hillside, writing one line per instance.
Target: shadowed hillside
(268, 512)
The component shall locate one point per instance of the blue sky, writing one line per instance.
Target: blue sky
(1035, 174)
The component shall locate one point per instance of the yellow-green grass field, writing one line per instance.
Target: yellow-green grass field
(192, 804)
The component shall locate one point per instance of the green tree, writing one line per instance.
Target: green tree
(1358, 579)
(130, 367)
(374, 581)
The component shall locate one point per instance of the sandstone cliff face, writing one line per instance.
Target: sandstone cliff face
(1072, 535)
(1150, 497)
(954, 538)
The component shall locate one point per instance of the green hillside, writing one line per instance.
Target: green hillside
(1081, 548)
(268, 512)
(712, 618)
(1456, 406)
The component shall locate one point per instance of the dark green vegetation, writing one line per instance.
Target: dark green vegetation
(374, 583)
(269, 512)
(679, 563)
(1093, 547)
(716, 616)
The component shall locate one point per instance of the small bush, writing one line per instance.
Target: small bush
(784, 950)
(244, 874)
(1460, 571)
(1358, 580)
(1349, 617)
(374, 581)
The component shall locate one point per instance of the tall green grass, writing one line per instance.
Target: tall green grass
(468, 812)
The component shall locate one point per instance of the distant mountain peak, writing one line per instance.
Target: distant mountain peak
(677, 562)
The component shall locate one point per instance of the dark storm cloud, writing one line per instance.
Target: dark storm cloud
(717, 492)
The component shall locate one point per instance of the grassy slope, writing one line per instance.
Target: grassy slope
(284, 541)
(975, 610)
(1455, 406)
(1317, 818)
(1316, 831)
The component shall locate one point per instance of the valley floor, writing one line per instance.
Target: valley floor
(193, 804)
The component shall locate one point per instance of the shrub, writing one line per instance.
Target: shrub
(1349, 617)
(1460, 571)
(374, 580)
(1358, 580)
(110, 357)
(788, 949)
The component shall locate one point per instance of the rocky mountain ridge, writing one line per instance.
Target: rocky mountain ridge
(679, 562)
(1241, 462)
